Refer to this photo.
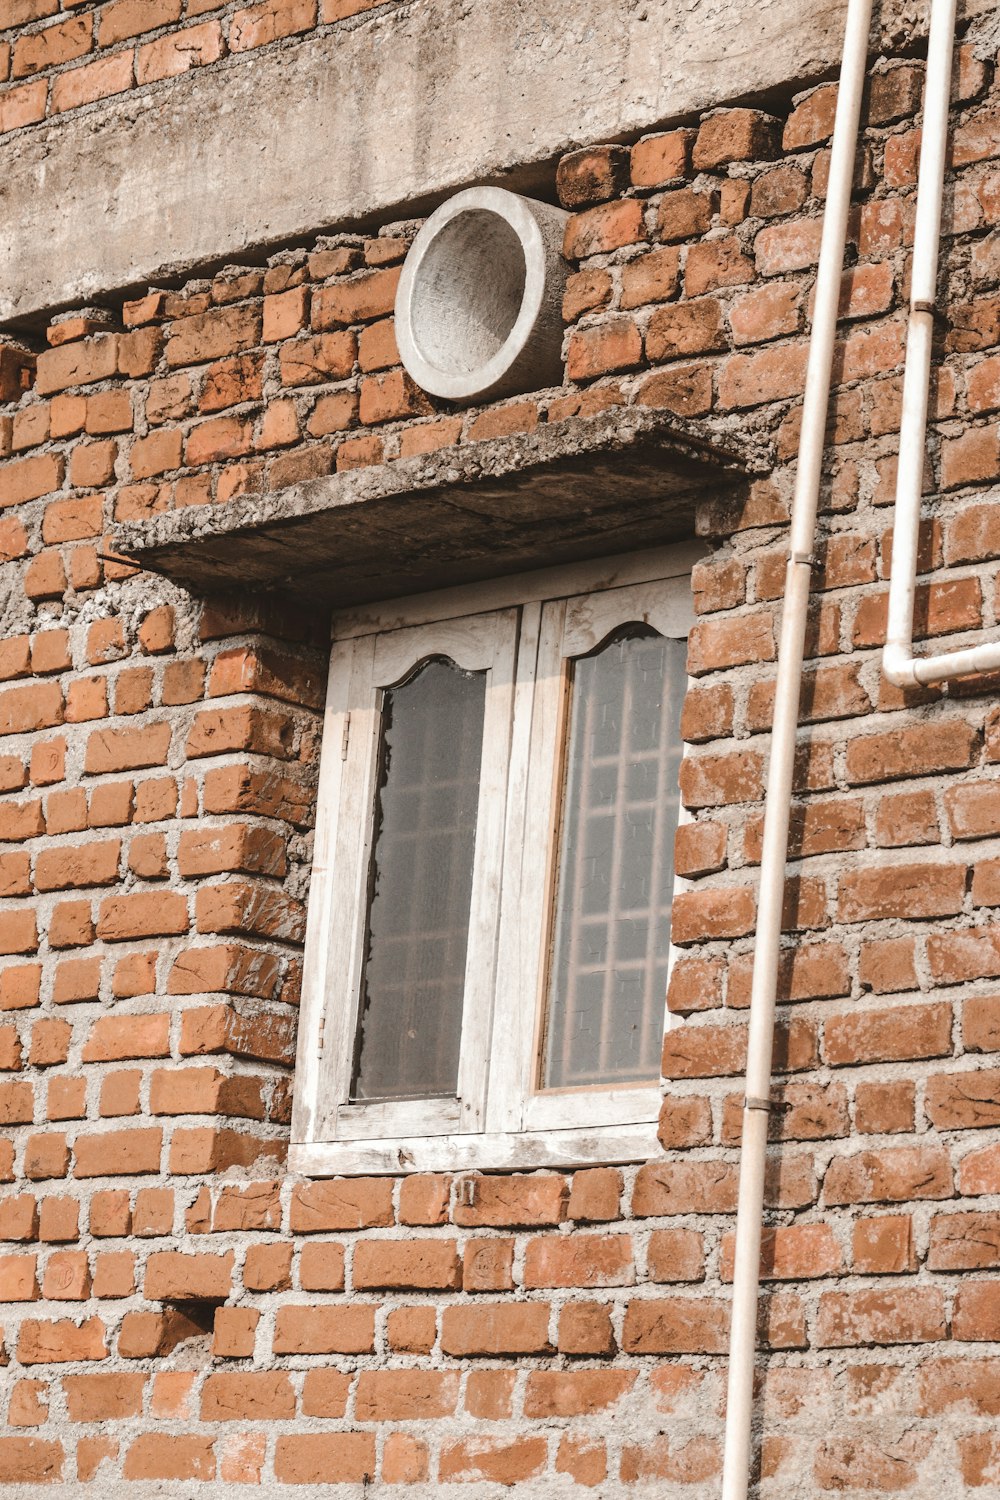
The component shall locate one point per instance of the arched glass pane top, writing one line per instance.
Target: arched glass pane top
(420, 885)
(611, 929)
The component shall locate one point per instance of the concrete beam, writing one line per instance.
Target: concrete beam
(354, 124)
(369, 121)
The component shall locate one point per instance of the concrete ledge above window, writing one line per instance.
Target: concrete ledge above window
(583, 488)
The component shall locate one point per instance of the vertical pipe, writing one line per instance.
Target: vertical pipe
(742, 1348)
(899, 664)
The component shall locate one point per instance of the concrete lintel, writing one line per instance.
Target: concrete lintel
(578, 489)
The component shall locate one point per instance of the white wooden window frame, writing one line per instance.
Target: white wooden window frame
(524, 633)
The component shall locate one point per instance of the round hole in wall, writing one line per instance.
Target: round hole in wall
(469, 292)
(478, 306)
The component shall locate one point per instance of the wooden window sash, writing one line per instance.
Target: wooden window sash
(501, 1121)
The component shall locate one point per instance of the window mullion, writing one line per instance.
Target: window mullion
(484, 915)
(526, 875)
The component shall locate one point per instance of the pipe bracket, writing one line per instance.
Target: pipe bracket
(804, 559)
(937, 317)
(749, 1102)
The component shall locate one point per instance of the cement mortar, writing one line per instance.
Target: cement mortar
(373, 119)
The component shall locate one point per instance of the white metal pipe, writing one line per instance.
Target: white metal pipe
(746, 1281)
(898, 662)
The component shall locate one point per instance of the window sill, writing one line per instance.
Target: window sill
(607, 1145)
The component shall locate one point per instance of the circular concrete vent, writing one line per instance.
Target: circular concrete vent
(479, 304)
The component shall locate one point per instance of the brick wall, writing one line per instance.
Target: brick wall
(177, 1307)
(60, 55)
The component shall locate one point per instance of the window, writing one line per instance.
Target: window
(489, 915)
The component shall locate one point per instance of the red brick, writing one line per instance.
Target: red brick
(781, 191)
(510, 1202)
(682, 1187)
(96, 80)
(676, 1255)
(585, 1328)
(592, 175)
(358, 300)
(56, 44)
(143, 914)
(964, 1101)
(127, 749)
(405, 1395)
(716, 263)
(493, 1329)
(249, 1396)
(981, 1024)
(977, 1311)
(407, 1265)
(885, 1108)
(585, 291)
(729, 911)
(575, 1393)
(938, 745)
(658, 159)
(676, 1325)
(487, 1265)
(950, 1383)
(324, 1393)
(22, 106)
(112, 1038)
(315, 361)
(791, 246)
(175, 53)
(103, 1398)
(506, 1463)
(268, 22)
(325, 1330)
(77, 866)
(615, 344)
(424, 1199)
(599, 230)
(267, 1267)
(770, 375)
(891, 1175)
(884, 1246)
(159, 1455)
(325, 1458)
(900, 1315)
(321, 1267)
(30, 478)
(61, 1341)
(964, 1242)
(412, 1330)
(734, 135)
(579, 1260)
(119, 1152)
(30, 1460)
(18, 1278)
(685, 213)
(685, 390)
(766, 313)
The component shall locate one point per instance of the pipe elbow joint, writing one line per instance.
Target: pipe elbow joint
(899, 666)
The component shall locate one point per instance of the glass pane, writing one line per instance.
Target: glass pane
(608, 975)
(420, 885)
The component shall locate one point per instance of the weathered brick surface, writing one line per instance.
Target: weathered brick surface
(158, 760)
